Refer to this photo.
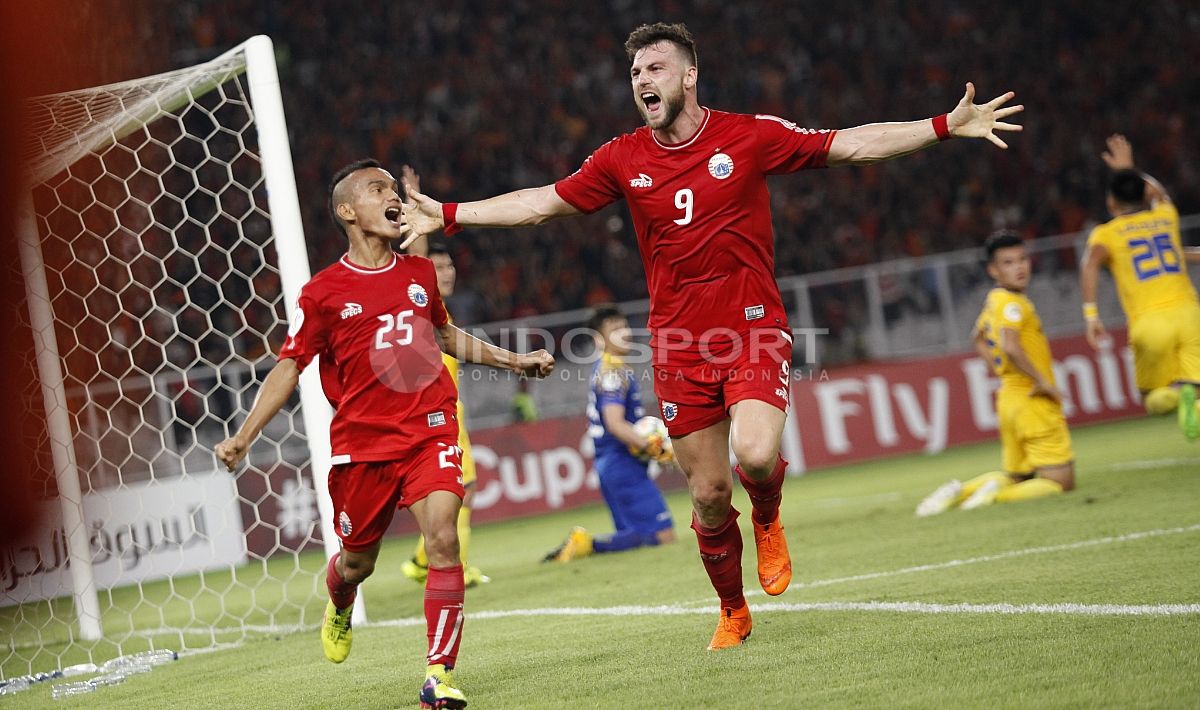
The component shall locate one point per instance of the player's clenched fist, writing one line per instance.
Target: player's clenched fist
(231, 451)
(535, 364)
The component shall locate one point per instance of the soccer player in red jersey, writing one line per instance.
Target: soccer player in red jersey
(695, 182)
(374, 319)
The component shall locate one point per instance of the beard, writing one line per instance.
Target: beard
(671, 108)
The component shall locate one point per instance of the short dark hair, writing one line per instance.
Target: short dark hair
(342, 174)
(646, 35)
(602, 312)
(1127, 187)
(1001, 240)
(438, 247)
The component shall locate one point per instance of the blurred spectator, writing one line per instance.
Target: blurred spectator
(485, 98)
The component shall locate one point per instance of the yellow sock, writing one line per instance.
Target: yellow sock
(1028, 490)
(464, 533)
(1163, 400)
(419, 555)
(976, 483)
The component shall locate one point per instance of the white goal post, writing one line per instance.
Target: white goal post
(161, 245)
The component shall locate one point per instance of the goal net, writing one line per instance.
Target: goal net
(161, 245)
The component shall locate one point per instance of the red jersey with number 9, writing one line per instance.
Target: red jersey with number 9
(380, 362)
(702, 215)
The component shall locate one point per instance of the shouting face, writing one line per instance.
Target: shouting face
(661, 77)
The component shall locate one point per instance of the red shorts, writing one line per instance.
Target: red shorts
(694, 397)
(366, 494)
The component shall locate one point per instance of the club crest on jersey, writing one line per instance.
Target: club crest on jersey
(670, 410)
(351, 309)
(436, 419)
(344, 524)
(1012, 313)
(416, 292)
(720, 166)
(642, 180)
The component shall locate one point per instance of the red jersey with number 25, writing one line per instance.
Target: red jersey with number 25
(702, 215)
(381, 366)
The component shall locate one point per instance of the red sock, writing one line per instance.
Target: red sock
(340, 591)
(764, 495)
(444, 591)
(721, 552)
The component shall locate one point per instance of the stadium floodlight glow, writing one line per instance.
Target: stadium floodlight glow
(162, 246)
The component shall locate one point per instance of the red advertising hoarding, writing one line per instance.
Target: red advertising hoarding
(882, 409)
(838, 416)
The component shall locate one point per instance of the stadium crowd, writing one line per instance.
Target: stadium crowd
(484, 98)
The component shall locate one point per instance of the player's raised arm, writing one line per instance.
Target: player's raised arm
(874, 142)
(273, 394)
(459, 344)
(522, 208)
(1119, 156)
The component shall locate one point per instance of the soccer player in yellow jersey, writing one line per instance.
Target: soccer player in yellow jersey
(417, 568)
(1035, 445)
(1142, 248)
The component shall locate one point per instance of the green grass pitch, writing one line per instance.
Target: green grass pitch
(1127, 540)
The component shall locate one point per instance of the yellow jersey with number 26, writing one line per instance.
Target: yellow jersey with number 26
(1146, 259)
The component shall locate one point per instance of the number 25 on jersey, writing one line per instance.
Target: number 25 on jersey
(396, 330)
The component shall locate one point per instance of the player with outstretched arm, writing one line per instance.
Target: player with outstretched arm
(374, 319)
(694, 179)
(1143, 249)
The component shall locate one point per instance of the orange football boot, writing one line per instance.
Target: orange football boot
(774, 564)
(732, 629)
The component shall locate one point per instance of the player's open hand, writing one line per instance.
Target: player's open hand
(231, 451)
(1119, 155)
(535, 364)
(1097, 337)
(971, 120)
(423, 214)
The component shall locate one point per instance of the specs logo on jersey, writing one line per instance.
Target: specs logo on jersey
(720, 166)
(670, 410)
(344, 524)
(642, 180)
(436, 419)
(416, 292)
(351, 309)
(755, 312)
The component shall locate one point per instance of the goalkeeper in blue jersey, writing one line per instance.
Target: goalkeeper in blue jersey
(639, 512)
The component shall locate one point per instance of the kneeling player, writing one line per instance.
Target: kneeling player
(1142, 247)
(638, 510)
(1034, 441)
(373, 319)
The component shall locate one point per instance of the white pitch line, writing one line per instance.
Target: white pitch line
(913, 607)
(1143, 465)
(690, 607)
(998, 608)
(977, 560)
